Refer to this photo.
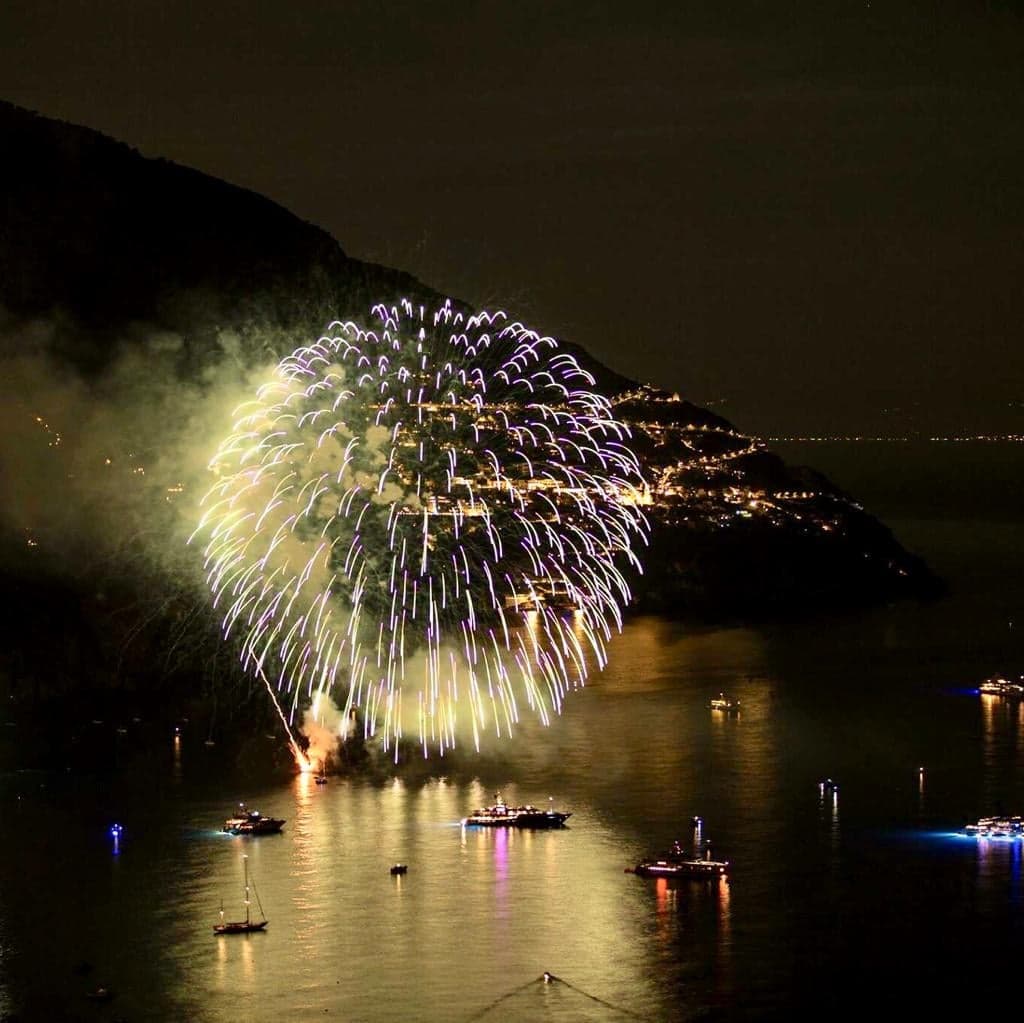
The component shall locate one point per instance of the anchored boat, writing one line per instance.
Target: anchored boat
(676, 863)
(998, 686)
(252, 822)
(248, 925)
(722, 703)
(500, 815)
(996, 827)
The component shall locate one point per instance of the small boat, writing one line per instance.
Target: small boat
(252, 822)
(500, 815)
(399, 868)
(996, 827)
(676, 863)
(100, 994)
(248, 925)
(321, 778)
(998, 686)
(828, 785)
(722, 703)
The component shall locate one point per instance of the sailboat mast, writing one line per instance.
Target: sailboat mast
(245, 861)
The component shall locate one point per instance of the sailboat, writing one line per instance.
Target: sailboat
(248, 925)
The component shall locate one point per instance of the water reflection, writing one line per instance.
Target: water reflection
(723, 945)
(482, 912)
(222, 961)
(828, 814)
(311, 835)
(999, 871)
(724, 919)
(1002, 724)
(666, 900)
(501, 841)
(176, 745)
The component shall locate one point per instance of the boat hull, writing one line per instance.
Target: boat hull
(240, 927)
(534, 821)
(694, 870)
(1001, 687)
(263, 826)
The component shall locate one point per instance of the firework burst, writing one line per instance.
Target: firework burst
(392, 502)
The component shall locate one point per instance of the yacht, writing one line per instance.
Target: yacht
(997, 686)
(500, 815)
(996, 827)
(252, 822)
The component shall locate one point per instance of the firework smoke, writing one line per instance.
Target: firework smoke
(391, 501)
(323, 725)
(100, 472)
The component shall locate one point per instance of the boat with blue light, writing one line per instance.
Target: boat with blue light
(500, 815)
(999, 686)
(996, 827)
(252, 822)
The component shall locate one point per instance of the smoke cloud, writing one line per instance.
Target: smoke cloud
(104, 457)
(95, 461)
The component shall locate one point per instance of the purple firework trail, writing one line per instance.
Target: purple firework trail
(390, 502)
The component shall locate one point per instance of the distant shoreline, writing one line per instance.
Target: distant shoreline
(1001, 438)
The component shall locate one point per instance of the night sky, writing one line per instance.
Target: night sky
(813, 211)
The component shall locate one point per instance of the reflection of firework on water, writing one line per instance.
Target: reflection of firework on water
(395, 497)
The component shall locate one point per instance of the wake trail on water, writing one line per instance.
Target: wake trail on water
(550, 978)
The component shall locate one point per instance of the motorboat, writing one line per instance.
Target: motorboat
(252, 822)
(722, 703)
